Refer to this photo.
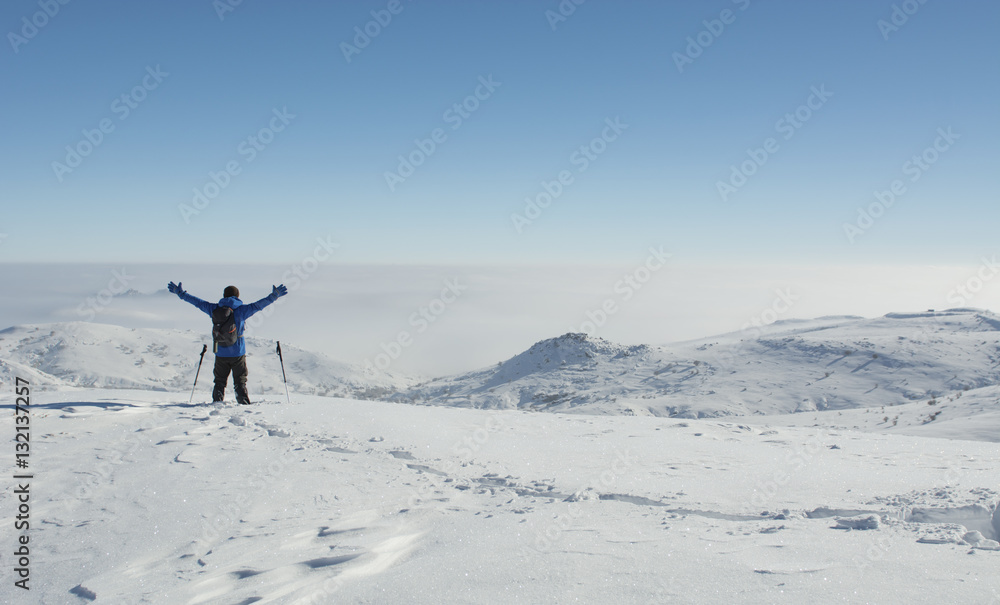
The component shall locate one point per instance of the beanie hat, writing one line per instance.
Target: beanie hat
(231, 291)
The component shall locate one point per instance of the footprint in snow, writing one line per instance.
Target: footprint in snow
(426, 469)
(81, 591)
(273, 431)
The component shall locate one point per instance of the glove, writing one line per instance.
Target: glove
(278, 291)
(176, 289)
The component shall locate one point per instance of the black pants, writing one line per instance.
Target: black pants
(236, 365)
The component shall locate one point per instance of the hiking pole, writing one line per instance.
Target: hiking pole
(283, 378)
(204, 348)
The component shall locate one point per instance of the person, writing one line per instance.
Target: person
(231, 358)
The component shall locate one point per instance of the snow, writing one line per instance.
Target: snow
(884, 495)
(142, 497)
(971, 415)
(791, 366)
(82, 354)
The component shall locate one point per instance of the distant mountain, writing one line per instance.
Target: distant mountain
(830, 363)
(85, 354)
(558, 374)
(790, 366)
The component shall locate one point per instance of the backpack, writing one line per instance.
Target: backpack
(224, 327)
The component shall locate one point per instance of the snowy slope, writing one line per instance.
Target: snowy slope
(139, 497)
(828, 363)
(841, 363)
(970, 415)
(98, 355)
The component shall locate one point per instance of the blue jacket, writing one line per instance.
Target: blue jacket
(242, 313)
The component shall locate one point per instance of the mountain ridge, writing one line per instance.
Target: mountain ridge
(828, 363)
(780, 368)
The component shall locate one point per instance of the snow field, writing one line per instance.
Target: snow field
(144, 498)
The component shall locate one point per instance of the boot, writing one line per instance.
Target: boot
(242, 397)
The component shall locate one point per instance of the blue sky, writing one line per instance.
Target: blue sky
(656, 183)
